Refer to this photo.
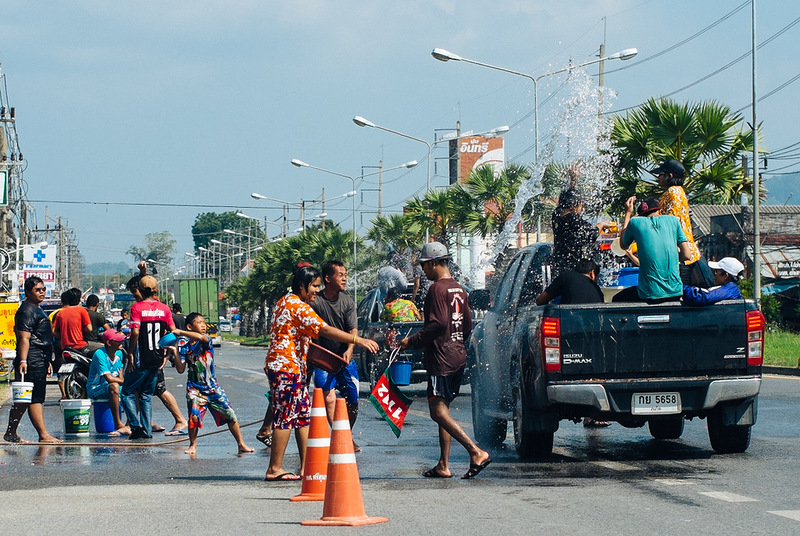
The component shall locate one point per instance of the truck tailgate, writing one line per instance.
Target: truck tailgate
(636, 340)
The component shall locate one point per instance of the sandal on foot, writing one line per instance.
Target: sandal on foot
(433, 473)
(283, 477)
(266, 439)
(475, 468)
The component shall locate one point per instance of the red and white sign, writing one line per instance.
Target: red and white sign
(48, 276)
(477, 151)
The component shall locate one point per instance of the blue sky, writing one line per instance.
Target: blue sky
(202, 103)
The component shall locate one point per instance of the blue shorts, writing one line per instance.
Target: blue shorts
(345, 381)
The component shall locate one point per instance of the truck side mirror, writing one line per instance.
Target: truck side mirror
(480, 299)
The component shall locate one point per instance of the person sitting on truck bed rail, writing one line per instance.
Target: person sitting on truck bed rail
(659, 237)
(578, 286)
(726, 272)
(398, 309)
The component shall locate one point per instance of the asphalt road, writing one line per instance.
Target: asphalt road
(599, 481)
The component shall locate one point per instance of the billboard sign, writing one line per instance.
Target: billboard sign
(474, 152)
(41, 262)
(4, 185)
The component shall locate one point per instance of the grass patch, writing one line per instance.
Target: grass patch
(781, 348)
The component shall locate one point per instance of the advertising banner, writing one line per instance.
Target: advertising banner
(474, 152)
(41, 262)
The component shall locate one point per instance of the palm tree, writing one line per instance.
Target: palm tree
(397, 232)
(487, 200)
(435, 213)
(706, 137)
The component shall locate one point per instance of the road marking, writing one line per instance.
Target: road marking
(616, 466)
(673, 481)
(791, 514)
(259, 373)
(727, 497)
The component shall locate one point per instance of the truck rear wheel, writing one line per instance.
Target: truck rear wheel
(528, 442)
(490, 431)
(727, 439)
(666, 429)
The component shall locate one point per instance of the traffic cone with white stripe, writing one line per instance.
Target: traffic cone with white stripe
(344, 504)
(315, 472)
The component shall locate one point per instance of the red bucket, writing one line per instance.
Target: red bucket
(324, 359)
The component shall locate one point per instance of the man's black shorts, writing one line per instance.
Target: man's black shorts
(446, 387)
(161, 384)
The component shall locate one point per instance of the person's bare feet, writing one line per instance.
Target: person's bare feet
(481, 458)
(49, 439)
(356, 448)
(191, 450)
(244, 448)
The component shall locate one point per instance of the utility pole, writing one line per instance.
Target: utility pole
(756, 187)
(380, 187)
(323, 208)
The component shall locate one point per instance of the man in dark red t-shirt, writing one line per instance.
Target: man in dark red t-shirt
(448, 323)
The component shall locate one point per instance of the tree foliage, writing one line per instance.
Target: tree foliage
(707, 137)
(157, 246)
(209, 225)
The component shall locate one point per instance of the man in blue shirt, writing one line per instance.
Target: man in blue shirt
(105, 376)
(659, 238)
(726, 272)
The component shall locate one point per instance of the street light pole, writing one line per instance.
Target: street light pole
(443, 55)
(300, 163)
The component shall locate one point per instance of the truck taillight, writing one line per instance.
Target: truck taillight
(551, 344)
(755, 337)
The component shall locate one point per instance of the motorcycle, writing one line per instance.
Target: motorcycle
(74, 372)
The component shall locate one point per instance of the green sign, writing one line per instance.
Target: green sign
(4, 194)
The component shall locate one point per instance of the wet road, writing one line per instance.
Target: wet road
(604, 481)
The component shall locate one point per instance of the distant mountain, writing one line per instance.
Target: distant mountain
(107, 268)
(783, 187)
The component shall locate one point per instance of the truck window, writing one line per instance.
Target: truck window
(507, 284)
(536, 277)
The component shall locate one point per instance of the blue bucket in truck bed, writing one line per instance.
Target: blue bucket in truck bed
(628, 277)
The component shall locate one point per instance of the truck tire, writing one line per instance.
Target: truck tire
(666, 429)
(528, 442)
(727, 439)
(489, 431)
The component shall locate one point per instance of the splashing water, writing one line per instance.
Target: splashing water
(579, 135)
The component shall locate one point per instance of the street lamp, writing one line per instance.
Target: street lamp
(360, 121)
(407, 165)
(444, 55)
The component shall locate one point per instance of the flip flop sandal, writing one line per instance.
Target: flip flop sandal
(475, 468)
(266, 439)
(283, 477)
(433, 473)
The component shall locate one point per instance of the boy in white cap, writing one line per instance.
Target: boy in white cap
(726, 272)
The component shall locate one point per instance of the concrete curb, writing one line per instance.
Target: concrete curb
(783, 371)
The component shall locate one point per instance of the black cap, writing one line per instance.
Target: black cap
(647, 206)
(670, 166)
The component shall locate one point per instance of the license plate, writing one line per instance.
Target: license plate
(655, 403)
(66, 368)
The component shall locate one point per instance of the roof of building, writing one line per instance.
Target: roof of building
(702, 214)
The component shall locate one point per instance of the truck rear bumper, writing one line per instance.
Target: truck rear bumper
(596, 394)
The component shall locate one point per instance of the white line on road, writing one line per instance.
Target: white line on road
(673, 481)
(791, 514)
(616, 466)
(727, 497)
(259, 373)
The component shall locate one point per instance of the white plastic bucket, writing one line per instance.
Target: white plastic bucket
(77, 416)
(22, 392)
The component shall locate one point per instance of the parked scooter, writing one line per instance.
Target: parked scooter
(74, 372)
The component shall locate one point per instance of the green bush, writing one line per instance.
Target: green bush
(770, 305)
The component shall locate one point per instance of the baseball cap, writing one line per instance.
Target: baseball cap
(647, 206)
(148, 282)
(729, 264)
(112, 335)
(433, 251)
(670, 166)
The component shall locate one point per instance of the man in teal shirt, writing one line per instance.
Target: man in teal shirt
(659, 239)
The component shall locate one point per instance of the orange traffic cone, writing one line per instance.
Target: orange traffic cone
(315, 472)
(344, 504)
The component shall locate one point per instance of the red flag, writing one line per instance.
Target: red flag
(390, 402)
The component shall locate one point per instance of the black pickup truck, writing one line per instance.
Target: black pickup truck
(386, 334)
(633, 363)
